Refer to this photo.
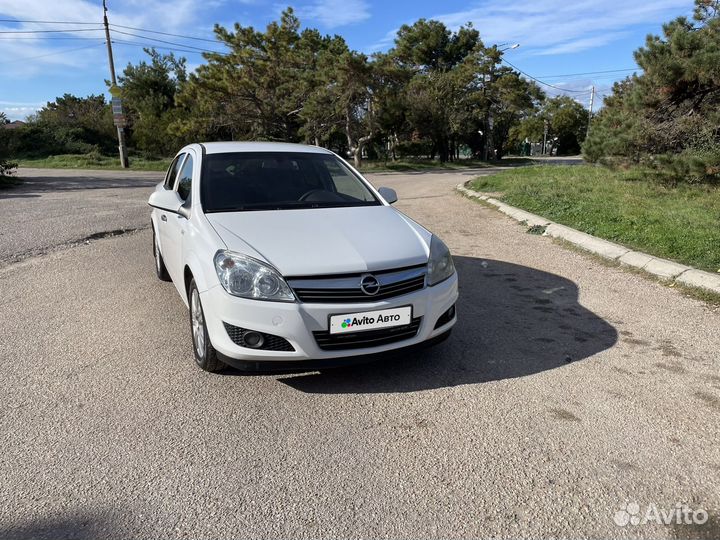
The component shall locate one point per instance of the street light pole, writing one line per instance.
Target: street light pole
(120, 130)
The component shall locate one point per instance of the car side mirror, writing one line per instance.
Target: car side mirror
(388, 194)
(166, 200)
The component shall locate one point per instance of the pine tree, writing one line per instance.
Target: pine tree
(668, 117)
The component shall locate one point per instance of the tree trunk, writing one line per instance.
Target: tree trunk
(393, 144)
(443, 149)
(355, 147)
(357, 151)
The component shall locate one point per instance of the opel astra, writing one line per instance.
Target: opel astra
(284, 253)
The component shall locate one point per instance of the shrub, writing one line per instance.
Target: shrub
(420, 149)
(7, 168)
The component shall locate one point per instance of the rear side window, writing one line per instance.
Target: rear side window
(185, 179)
(173, 172)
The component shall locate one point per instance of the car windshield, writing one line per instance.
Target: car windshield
(244, 181)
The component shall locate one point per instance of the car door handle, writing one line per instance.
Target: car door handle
(163, 217)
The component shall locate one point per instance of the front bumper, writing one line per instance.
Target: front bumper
(296, 322)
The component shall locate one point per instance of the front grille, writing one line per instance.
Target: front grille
(270, 343)
(346, 289)
(369, 338)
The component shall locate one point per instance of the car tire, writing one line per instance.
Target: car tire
(205, 355)
(160, 268)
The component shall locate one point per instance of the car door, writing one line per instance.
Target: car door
(164, 218)
(177, 224)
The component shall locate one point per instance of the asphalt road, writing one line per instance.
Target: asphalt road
(567, 390)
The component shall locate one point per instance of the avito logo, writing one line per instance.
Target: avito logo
(365, 320)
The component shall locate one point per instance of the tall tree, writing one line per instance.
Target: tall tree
(149, 90)
(258, 89)
(669, 116)
(513, 99)
(343, 100)
(441, 98)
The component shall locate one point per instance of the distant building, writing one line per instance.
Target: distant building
(14, 125)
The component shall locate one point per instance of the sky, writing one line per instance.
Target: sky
(559, 40)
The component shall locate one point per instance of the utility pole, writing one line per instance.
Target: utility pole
(592, 100)
(489, 151)
(120, 129)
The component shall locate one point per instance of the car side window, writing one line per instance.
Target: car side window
(173, 172)
(185, 179)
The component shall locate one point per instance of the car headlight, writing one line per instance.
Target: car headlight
(249, 278)
(440, 264)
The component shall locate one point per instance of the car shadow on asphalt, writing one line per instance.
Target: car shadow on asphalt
(70, 525)
(513, 321)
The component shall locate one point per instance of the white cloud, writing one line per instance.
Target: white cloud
(582, 43)
(384, 43)
(175, 16)
(335, 13)
(541, 25)
(17, 110)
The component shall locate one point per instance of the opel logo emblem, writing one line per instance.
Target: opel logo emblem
(369, 285)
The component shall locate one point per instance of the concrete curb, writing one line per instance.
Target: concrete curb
(661, 268)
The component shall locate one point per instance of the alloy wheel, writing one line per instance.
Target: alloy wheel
(198, 324)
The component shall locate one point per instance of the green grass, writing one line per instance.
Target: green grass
(681, 223)
(426, 164)
(93, 161)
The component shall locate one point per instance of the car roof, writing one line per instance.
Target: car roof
(248, 146)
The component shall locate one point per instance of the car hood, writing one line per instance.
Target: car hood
(327, 240)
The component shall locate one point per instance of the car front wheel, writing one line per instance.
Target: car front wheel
(205, 354)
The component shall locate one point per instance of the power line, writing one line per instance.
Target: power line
(543, 82)
(48, 38)
(44, 22)
(164, 33)
(67, 30)
(115, 26)
(63, 51)
(166, 42)
(154, 46)
(588, 73)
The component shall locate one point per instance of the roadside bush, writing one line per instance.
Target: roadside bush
(7, 167)
(691, 166)
(38, 141)
(419, 149)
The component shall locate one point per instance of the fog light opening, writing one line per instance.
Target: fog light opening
(446, 317)
(254, 340)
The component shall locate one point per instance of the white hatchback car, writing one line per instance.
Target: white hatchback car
(284, 253)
